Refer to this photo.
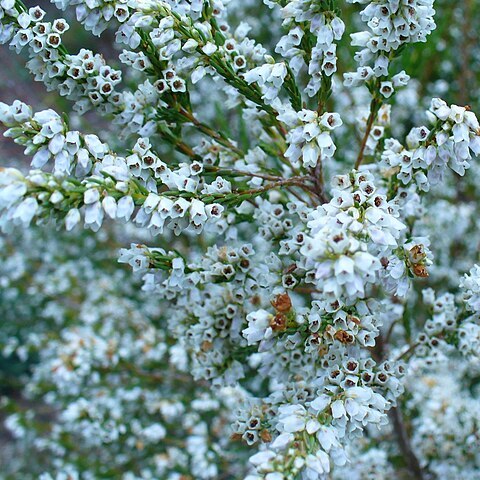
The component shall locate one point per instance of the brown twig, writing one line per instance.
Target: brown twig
(295, 194)
(374, 106)
(410, 350)
(403, 441)
(209, 131)
(306, 290)
(395, 415)
(390, 331)
(318, 182)
(295, 181)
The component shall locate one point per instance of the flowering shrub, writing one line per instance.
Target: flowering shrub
(301, 299)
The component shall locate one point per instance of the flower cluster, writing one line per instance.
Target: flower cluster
(311, 140)
(392, 24)
(347, 236)
(96, 15)
(46, 137)
(451, 142)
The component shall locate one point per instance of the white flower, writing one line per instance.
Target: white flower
(94, 215)
(470, 286)
(26, 210)
(338, 409)
(312, 140)
(95, 146)
(282, 441)
(91, 195)
(270, 76)
(110, 206)
(320, 403)
(197, 212)
(209, 48)
(317, 464)
(72, 218)
(262, 458)
(291, 418)
(258, 326)
(386, 89)
(12, 187)
(125, 208)
(327, 438)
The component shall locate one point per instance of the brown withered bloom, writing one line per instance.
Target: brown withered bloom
(417, 258)
(282, 303)
(266, 436)
(343, 336)
(255, 300)
(290, 269)
(417, 253)
(206, 346)
(354, 319)
(278, 322)
(420, 271)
